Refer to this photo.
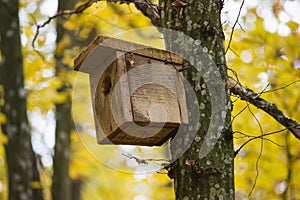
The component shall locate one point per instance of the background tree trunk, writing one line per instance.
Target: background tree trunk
(22, 171)
(211, 177)
(61, 181)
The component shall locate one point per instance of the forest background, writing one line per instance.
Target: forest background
(262, 50)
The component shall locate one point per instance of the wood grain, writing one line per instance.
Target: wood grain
(124, 46)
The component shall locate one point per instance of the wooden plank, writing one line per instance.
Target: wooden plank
(153, 92)
(121, 45)
(93, 86)
(79, 60)
(133, 137)
(101, 90)
(182, 99)
(124, 111)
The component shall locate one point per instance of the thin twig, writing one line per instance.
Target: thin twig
(255, 99)
(275, 143)
(149, 9)
(235, 53)
(78, 10)
(160, 162)
(256, 137)
(262, 137)
(281, 88)
(240, 112)
(260, 152)
(235, 23)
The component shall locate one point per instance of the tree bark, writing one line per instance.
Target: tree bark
(22, 171)
(61, 181)
(76, 188)
(210, 177)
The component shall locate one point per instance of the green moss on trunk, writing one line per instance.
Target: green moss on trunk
(210, 177)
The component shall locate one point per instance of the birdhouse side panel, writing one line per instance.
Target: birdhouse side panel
(124, 112)
(103, 100)
(181, 96)
(111, 109)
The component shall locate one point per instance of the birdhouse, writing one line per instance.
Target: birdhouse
(137, 92)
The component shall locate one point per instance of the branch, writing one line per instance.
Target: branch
(145, 6)
(281, 88)
(160, 162)
(253, 98)
(235, 23)
(258, 137)
(78, 10)
(149, 9)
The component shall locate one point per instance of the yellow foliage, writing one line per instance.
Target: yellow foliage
(71, 24)
(55, 82)
(63, 44)
(3, 138)
(271, 58)
(41, 40)
(97, 7)
(80, 159)
(2, 118)
(28, 31)
(259, 58)
(293, 25)
(36, 185)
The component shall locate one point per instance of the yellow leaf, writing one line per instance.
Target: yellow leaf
(64, 43)
(292, 25)
(28, 31)
(2, 118)
(62, 97)
(55, 82)
(70, 25)
(98, 7)
(36, 185)
(41, 40)
(3, 138)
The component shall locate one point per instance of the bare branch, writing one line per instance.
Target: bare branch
(243, 136)
(281, 88)
(145, 6)
(78, 10)
(254, 138)
(160, 162)
(255, 99)
(259, 155)
(235, 23)
(149, 9)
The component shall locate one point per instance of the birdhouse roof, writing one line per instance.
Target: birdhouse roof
(104, 47)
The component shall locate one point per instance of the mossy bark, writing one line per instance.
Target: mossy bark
(211, 177)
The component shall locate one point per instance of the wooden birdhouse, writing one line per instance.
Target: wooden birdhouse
(138, 95)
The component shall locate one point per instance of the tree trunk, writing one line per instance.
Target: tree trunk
(19, 154)
(211, 176)
(61, 181)
(76, 189)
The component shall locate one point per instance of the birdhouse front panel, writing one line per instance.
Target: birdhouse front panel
(138, 96)
(153, 89)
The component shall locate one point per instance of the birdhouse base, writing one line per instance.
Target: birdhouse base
(126, 135)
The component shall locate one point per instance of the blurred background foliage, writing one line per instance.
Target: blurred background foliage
(263, 53)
